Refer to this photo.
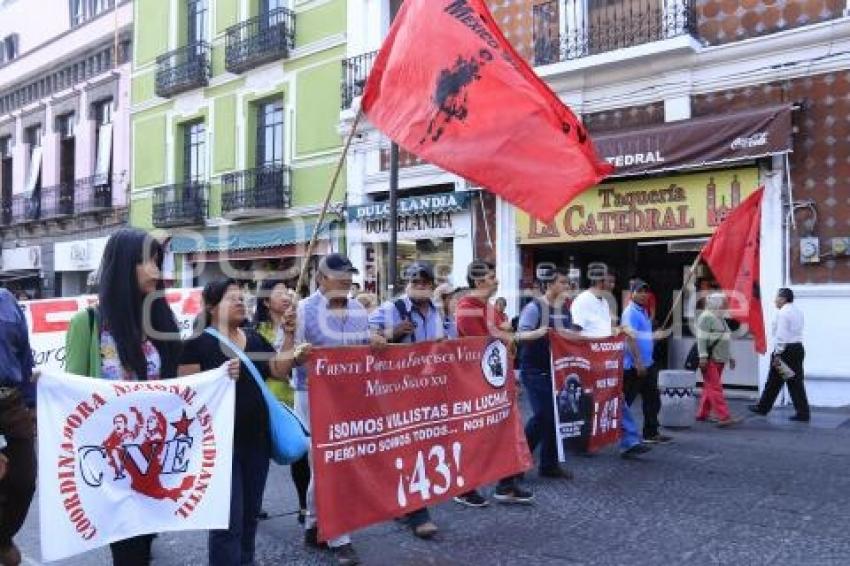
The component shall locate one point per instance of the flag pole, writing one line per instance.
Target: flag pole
(392, 247)
(681, 292)
(312, 244)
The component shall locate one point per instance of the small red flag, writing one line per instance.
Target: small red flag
(732, 254)
(447, 86)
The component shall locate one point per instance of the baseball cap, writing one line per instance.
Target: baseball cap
(419, 270)
(638, 284)
(336, 264)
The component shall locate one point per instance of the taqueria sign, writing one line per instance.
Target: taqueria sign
(682, 205)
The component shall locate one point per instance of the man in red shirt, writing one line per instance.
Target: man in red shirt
(475, 316)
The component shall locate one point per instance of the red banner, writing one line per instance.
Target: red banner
(588, 388)
(409, 426)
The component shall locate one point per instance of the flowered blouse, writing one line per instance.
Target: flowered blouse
(111, 367)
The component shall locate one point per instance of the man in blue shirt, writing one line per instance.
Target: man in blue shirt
(17, 425)
(640, 375)
(413, 317)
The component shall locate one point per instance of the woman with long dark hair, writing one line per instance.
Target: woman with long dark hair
(224, 315)
(274, 319)
(112, 341)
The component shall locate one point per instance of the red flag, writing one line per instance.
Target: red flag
(447, 86)
(732, 254)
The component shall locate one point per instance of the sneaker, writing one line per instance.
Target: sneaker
(731, 421)
(472, 499)
(10, 555)
(799, 419)
(513, 494)
(425, 530)
(756, 409)
(635, 450)
(302, 516)
(311, 538)
(556, 473)
(657, 439)
(346, 555)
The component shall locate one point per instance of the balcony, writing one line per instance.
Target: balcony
(92, 194)
(57, 201)
(266, 38)
(183, 69)
(355, 71)
(572, 29)
(256, 192)
(21, 209)
(182, 204)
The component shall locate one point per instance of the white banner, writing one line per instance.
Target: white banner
(47, 320)
(118, 459)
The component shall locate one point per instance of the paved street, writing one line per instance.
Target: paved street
(767, 492)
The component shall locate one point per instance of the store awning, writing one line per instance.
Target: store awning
(411, 206)
(699, 142)
(230, 238)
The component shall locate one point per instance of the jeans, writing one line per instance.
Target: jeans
(647, 388)
(18, 487)
(235, 546)
(793, 355)
(628, 427)
(540, 428)
(135, 551)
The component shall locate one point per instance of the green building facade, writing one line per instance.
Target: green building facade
(235, 117)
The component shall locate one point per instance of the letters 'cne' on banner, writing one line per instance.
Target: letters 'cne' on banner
(409, 426)
(118, 459)
(587, 382)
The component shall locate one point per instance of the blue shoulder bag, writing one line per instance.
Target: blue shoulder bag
(289, 437)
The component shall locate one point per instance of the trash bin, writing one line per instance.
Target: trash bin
(678, 399)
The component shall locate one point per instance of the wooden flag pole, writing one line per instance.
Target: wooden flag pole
(312, 244)
(681, 292)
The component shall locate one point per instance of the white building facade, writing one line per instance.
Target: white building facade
(64, 139)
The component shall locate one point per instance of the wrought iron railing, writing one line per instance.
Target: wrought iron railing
(92, 194)
(571, 29)
(21, 208)
(263, 188)
(57, 201)
(181, 204)
(268, 37)
(183, 69)
(355, 71)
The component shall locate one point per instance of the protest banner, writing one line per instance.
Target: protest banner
(409, 426)
(47, 321)
(587, 384)
(118, 459)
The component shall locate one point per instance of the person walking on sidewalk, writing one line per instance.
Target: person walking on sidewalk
(414, 318)
(591, 314)
(640, 375)
(476, 317)
(535, 363)
(713, 341)
(786, 365)
(17, 425)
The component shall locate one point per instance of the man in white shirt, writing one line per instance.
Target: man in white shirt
(591, 315)
(788, 354)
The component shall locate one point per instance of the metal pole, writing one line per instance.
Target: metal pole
(392, 248)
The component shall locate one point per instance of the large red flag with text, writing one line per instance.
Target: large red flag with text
(732, 254)
(447, 86)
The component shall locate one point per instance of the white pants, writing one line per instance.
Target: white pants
(302, 409)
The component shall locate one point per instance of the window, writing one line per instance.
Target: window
(83, 10)
(5, 147)
(197, 20)
(32, 137)
(270, 134)
(65, 125)
(9, 48)
(103, 141)
(103, 112)
(194, 152)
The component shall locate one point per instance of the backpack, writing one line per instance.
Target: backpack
(405, 314)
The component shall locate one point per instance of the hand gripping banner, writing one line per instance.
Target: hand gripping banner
(409, 426)
(117, 459)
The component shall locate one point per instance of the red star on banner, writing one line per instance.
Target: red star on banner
(182, 426)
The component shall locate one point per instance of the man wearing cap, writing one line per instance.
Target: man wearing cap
(535, 363)
(640, 375)
(475, 317)
(328, 317)
(413, 317)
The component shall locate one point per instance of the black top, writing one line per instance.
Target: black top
(251, 423)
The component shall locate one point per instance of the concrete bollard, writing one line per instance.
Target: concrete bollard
(678, 399)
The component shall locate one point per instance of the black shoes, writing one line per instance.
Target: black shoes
(634, 451)
(513, 494)
(472, 499)
(556, 473)
(345, 555)
(757, 410)
(800, 418)
(311, 538)
(657, 439)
